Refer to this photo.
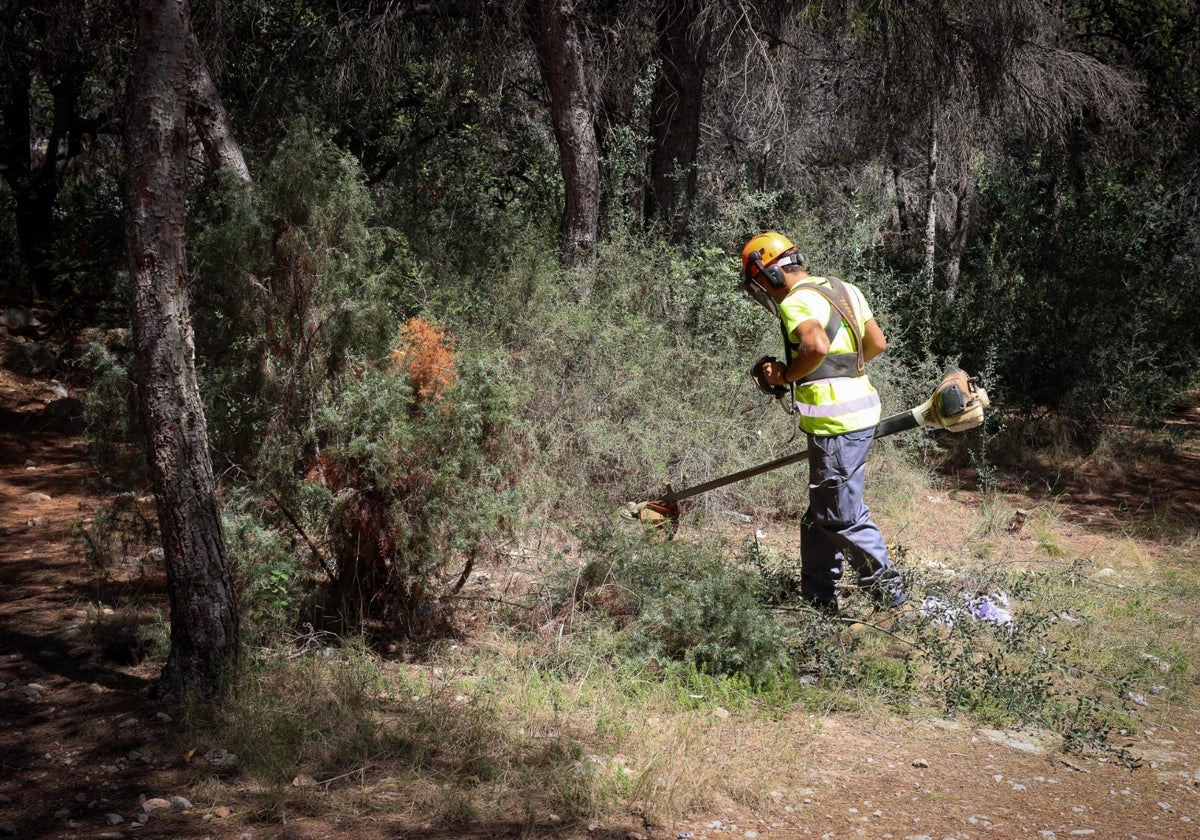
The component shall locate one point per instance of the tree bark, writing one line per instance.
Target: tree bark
(204, 623)
(560, 56)
(210, 119)
(931, 208)
(675, 115)
(964, 199)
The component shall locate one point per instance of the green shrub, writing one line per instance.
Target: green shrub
(716, 624)
(274, 582)
(691, 606)
(293, 280)
(405, 491)
(110, 415)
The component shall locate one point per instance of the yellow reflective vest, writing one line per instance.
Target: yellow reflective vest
(840, 404)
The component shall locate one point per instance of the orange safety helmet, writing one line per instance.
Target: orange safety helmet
(763, 258)
(769, 250)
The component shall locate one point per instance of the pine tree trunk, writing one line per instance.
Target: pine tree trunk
(210, 119)
(31, 174)
(964, 198)
(931, 209)
(204, 624)
(560, 55)
(675, 116)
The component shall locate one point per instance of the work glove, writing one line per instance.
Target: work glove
(957, 404)
(760, 378)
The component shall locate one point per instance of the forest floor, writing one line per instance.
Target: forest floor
(85, 751)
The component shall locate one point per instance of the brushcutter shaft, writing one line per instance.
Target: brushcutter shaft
(901, 422)
(957, 405)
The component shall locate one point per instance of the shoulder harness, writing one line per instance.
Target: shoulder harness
(841, 311)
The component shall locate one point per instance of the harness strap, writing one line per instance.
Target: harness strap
(841, 310)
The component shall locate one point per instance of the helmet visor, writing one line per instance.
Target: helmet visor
(759, 294)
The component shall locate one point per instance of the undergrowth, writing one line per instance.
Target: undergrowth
(637, 659)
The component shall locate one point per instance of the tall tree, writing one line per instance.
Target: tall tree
(204, 622)
(676, 105)
(559, 42)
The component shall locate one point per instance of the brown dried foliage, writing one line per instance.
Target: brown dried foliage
(426, 357)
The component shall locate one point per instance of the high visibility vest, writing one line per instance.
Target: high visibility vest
(835, 404)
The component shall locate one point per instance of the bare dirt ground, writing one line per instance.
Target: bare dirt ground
(83, 746)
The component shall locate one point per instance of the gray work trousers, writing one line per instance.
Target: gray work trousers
(837, 527)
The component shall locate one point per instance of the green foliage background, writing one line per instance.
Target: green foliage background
(423, 179)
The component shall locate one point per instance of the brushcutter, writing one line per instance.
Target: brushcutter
(957, 405)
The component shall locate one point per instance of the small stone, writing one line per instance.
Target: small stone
(720, 714)
(1166, 806)
(182, 803)
(114, 819)
(155, 804)
(110, 835)
(222, 812)
(303, 781)
(219, 757)
(133, 755)
(163, 717)
(62, 813)
(920, 763)
(141, 818)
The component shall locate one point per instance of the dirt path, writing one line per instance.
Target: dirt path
(82, 746)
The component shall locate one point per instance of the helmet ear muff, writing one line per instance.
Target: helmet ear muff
(774, 273)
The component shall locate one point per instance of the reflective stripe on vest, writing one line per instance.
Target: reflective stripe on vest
(837, 409)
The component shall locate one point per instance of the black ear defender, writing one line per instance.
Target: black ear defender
(774, 274)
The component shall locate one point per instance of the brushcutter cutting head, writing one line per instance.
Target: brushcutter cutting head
(659, 514)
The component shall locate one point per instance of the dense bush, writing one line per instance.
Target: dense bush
(293, 281)
(1080, 288)
(400, 484)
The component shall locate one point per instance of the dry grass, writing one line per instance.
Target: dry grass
(548, 728)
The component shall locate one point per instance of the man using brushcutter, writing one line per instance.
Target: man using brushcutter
(829, 335)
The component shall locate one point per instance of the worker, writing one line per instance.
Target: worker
(829, 335)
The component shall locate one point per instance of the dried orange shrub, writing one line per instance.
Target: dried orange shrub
(426, 357)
